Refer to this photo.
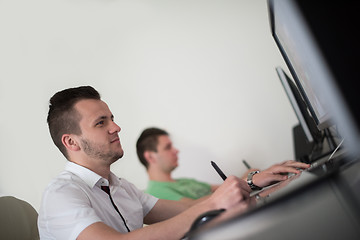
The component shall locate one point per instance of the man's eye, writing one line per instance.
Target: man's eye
(100, 123)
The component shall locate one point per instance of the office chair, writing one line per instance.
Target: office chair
(18, 220)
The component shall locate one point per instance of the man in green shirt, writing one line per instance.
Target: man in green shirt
(178, 189)
(157, 153)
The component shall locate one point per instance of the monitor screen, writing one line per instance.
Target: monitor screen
(318, 44)
(300, 108)
(301, 55)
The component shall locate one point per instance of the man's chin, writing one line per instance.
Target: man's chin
(117, 156)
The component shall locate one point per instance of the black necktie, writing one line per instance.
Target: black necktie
(107, 190)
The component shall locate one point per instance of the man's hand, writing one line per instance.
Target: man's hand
(232, 192)
(278, 172)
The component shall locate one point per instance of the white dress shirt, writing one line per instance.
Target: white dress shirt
(74, 200)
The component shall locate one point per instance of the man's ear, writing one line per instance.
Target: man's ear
(150, 156)
(70, 142)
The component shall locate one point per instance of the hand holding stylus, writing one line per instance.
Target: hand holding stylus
(218, 170)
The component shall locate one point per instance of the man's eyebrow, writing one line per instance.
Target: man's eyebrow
(103, 118)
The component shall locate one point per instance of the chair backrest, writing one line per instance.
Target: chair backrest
(18, 219)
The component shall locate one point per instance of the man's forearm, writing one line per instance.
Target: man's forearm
(172, 229)
(191, 202)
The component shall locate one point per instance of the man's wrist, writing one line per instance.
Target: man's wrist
(250, 180)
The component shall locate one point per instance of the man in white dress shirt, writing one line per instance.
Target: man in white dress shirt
(77, 205)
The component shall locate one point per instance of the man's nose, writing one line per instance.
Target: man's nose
(115, 128)
(176, 150)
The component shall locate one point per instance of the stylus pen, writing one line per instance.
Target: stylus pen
(218, 170)
(246, 164)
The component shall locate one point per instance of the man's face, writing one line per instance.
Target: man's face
(99, 139)
(166, 154)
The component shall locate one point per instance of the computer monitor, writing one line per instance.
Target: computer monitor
(318, 44)
(300, 108)
(301, 55)
(319, 143)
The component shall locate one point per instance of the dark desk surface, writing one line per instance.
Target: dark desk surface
(321, 204)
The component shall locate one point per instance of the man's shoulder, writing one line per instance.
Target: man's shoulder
(65, 180)
(185, 180)
(177, 181)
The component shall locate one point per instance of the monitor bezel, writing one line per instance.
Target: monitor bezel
(299, 106)
(316, 107)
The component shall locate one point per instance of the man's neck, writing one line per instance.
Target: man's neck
(159, 176)
(102, 170)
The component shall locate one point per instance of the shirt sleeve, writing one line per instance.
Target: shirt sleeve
(147, 201)
(65, 213)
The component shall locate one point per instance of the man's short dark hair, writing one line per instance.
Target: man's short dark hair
(148, 141)
(62, 116)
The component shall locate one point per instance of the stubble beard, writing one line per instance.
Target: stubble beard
(95, 151)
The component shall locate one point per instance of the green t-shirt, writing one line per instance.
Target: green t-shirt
(182, 187)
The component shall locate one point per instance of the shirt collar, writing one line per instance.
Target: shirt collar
(89, 177)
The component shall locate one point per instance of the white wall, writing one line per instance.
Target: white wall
(202, 69)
